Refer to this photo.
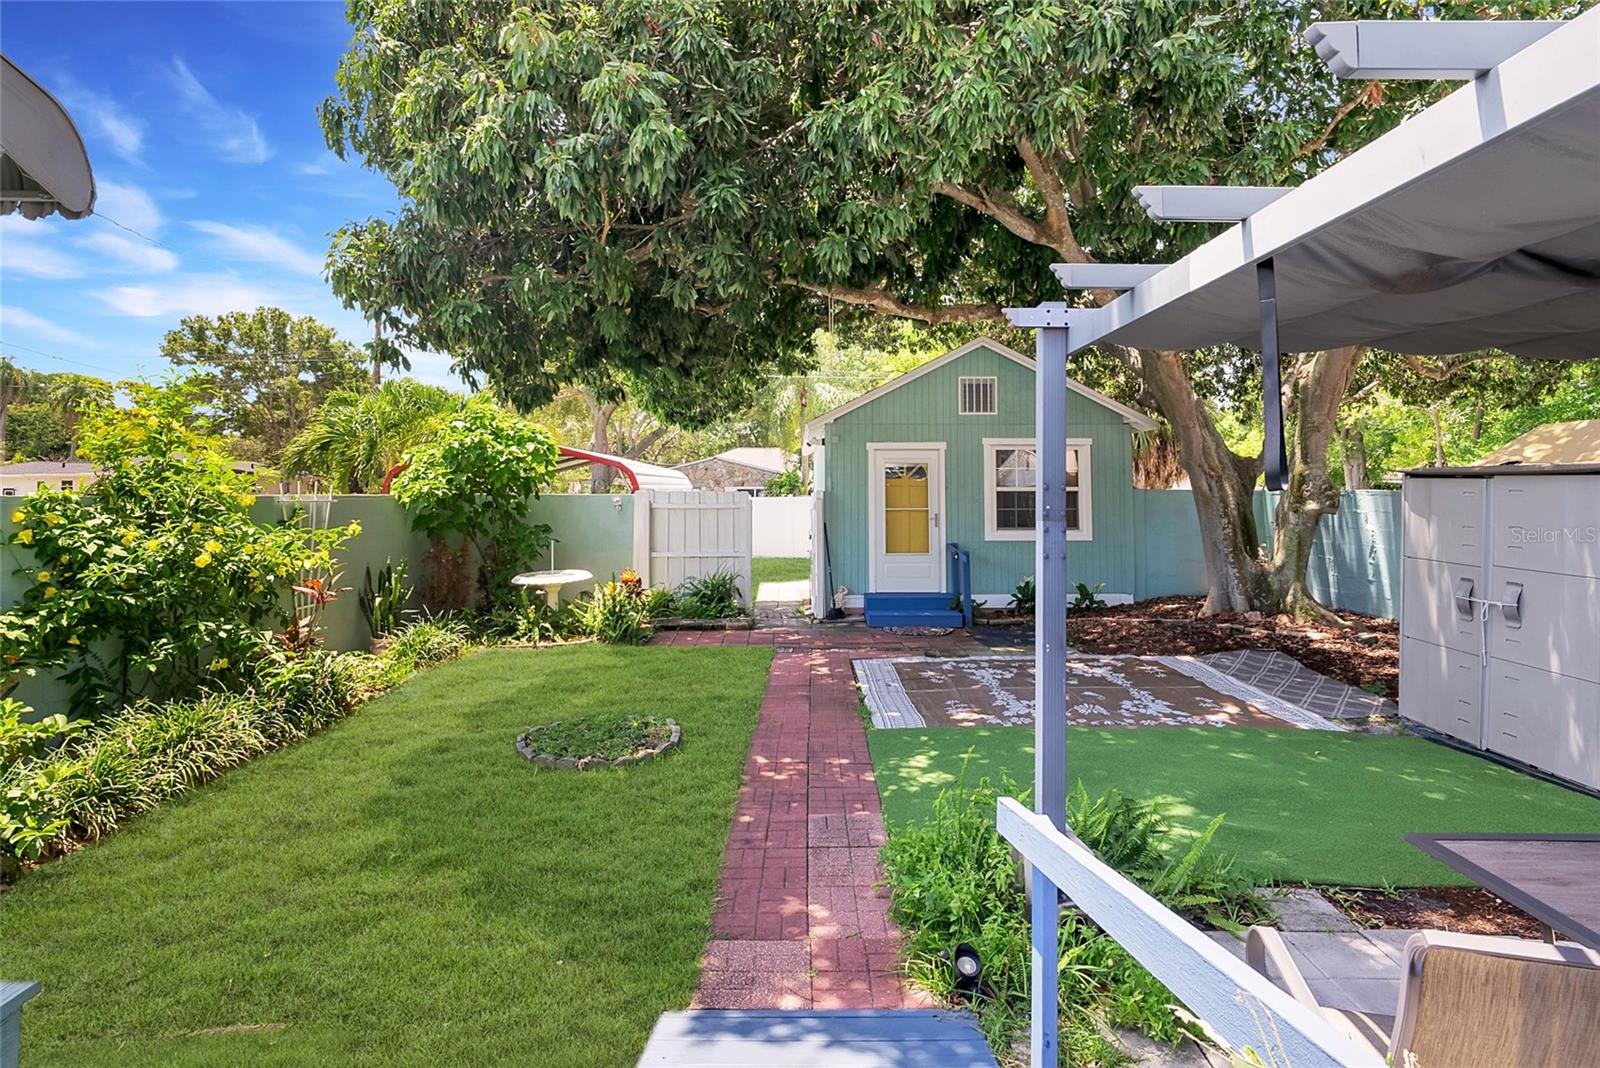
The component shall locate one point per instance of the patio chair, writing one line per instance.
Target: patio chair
(1467, 1001)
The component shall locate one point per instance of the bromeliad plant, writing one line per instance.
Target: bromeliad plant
(472, 483)
(158, 581)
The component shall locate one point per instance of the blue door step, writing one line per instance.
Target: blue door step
(912, 610)
(841, 1038)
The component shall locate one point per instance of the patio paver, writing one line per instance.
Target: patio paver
(800, 923)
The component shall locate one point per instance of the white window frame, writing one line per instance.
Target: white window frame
(994, 393)
(1085, 528)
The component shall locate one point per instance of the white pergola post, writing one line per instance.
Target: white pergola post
(1051, 321)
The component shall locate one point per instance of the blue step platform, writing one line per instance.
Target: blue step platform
(912, 610)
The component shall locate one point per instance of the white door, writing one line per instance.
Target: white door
(906, 496)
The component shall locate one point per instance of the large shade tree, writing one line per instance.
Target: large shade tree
(677, 191)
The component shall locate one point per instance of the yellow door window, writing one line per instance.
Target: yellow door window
(905, 508)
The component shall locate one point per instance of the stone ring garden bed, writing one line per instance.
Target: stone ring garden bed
(615, 742)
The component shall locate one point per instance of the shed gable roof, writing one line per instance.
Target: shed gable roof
(1135, 419)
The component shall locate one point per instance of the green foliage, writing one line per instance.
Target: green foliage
(383, 601)
(713, 596)
(39, 411)
(617, 614)
(659, 603)
(1088, 596)
(265, 371)
(473, 481)
(1022, 598)
(358, 436)
(428, 641)
(21, 738)
(955, 880)
(158, 581)
(785, 484)
(604, 735)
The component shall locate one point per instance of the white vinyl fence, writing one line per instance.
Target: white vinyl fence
(781, 526)
(680, 534)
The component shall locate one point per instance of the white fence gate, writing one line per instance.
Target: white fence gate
(781, 526)
(680, 534)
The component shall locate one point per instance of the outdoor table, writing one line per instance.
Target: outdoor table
(552, 581)
(1555, 878)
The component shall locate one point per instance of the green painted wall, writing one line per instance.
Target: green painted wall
(925, 410)
(593, 532)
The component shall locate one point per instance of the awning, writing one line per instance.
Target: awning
(1473, 225)
(43, 165)
(640, 475)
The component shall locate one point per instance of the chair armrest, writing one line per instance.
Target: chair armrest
(1264, 947)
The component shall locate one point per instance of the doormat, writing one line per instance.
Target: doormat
(1103, 691)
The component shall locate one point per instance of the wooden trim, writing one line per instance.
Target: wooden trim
(1239, 1005)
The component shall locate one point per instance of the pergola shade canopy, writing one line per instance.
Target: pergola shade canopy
(1473, 225)
(44, 167)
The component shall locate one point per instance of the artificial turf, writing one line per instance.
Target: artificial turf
(778, 569)
(405, 888)
(1300, 806)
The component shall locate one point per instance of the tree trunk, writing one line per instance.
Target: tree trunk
(1356, 475)
(5, 416)
(1223, 484)
(1319, 388)
(601, 476)
(1438, 437)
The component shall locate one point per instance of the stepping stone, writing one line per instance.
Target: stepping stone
(847, 1038)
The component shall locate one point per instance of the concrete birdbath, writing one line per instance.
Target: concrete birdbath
(552, 581)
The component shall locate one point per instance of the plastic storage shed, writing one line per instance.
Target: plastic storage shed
(1500, 612)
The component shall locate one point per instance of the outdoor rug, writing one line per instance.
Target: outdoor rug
(1103, 691)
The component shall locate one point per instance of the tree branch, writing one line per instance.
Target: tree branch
(879, 299)
(1046, 174)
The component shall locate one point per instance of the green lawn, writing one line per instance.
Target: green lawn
(405, 888)
(1301, 806)
(778, 569)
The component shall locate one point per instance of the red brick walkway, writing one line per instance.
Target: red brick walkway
(799, 924)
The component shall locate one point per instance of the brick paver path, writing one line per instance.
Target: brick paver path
(799, 924)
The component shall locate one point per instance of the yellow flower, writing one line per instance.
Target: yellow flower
(43, 576)
(213, 546)
(62, 558)
(19, 515)
(130, 537)
(153, 544)
(247, 499)
(195, 526)
(25, 537)
(53, 518)
(218, 664)
(73, 640)
(49, 591)
(203, 560)
(216, 529)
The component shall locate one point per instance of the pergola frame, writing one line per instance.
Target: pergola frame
(1560, 66)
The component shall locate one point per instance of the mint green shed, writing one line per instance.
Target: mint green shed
(945, 453)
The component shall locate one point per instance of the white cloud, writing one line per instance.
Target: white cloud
(257, 244)
(235, 134)
(124, 132)
(128, 205)
(131, 252)
(32, 246)
(315, 168)
(192, 294)
(12, 318)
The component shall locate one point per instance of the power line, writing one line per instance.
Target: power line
(53, 356)
(131, 230)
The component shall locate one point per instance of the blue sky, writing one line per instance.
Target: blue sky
(201, 125)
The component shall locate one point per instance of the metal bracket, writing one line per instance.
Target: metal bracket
(1277, 459)
(1510, 604)
(1464, 598)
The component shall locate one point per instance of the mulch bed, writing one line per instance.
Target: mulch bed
(1173, 626)
(1463, 909)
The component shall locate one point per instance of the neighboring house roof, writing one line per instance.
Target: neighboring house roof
(639, 474)
(1577, 442)
(1134, 418)
(46, 467)
(773, 461)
